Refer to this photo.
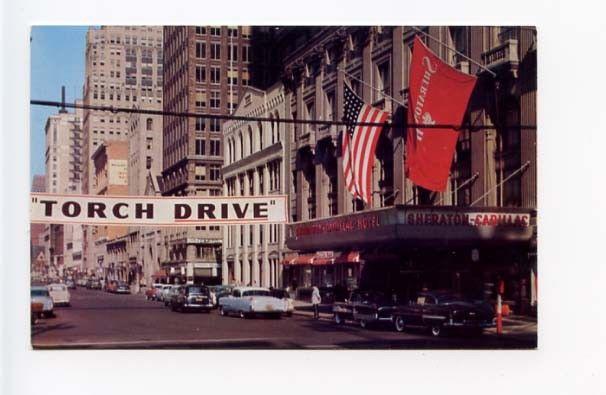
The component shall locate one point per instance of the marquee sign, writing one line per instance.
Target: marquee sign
(156, 210)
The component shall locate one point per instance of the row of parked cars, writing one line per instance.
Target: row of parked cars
(436, 311)
(244, 302)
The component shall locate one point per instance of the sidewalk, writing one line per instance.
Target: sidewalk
(511, 324)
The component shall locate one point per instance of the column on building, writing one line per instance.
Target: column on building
(246, 274)
(256, 266)
(267, 279)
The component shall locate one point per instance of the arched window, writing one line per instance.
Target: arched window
(250, 140)
(149, 123)
(277, 128)
(272, 127)
(241, 141)
(260, 125)
(229, 151)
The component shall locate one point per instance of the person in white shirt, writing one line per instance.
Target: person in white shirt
(315, 301)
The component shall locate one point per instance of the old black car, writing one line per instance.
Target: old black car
(440, 310)
(191, 297)
(366, 308)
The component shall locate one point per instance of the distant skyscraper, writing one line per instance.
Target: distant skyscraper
(124, 68)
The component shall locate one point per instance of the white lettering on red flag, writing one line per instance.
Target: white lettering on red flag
(438, 95)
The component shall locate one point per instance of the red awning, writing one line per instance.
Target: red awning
(323, 261)
(159, 274)
(289, 259)
(348, 257)
(307, 259)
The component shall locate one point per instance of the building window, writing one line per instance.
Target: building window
(200, 74)
(383, 81)
(215, 75)
(215, 99)
(215, 31)
(232, 52)
(200, 172)
(200, 50)
(246, 53)
(200, 124)
(215, 51)
(200, 146)
(232, 32)
(200, 30)
(149, 141)
(215, 172)
(200, 99)
(148, 162)
(215, 147)
(215, 125)
(149, 123)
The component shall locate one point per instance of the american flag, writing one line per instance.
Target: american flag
(359, 144)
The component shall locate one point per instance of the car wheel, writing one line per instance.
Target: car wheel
(338, 319)
(242, 314)
(222, 312)
(436, 330)
(289, 314)
(363, 324)
(398, 323)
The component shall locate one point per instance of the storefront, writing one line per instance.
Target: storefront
(404, 249)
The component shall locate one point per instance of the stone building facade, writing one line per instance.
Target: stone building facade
(255, 164)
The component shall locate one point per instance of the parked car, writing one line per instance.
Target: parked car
(95, 284)
(122, 288)
(152, 292)
(111, 286)
(366, 308)
(40, 295)
(59, 293)
(252, 301)
(282, 294)
(191, 297)
(70, 284)
(440, 310)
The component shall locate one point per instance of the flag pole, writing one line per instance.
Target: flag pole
(471, 179)
(525, 165)
(492, 73)
(372, 87)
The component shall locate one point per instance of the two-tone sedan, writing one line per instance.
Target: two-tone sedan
(40, 296)
(252, 301)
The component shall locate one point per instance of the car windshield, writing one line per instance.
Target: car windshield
(197, 290)
(39, 292)
(256, 292)
(57, 288)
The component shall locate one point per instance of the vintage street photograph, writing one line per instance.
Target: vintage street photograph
(283, 187)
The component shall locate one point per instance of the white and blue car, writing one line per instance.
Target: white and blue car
(247, 302)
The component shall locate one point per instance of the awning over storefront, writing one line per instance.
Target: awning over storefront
(348, 257)
(159, 274)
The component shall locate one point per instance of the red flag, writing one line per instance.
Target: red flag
(438, 95)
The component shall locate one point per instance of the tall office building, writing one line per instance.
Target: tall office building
(123, 69)
(63, 157)
(206, 71)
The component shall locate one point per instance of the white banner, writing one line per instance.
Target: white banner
(157, 210)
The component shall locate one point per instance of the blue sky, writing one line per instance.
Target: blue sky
(57, 58)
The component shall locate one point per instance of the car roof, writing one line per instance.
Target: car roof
(242, 289)
(39, 288)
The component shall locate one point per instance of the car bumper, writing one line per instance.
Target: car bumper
(469, 324)
(198, 306)
(122, 291)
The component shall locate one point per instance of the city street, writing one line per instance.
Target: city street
(101, 320)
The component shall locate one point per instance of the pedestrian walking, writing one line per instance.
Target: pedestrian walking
(315, 301)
